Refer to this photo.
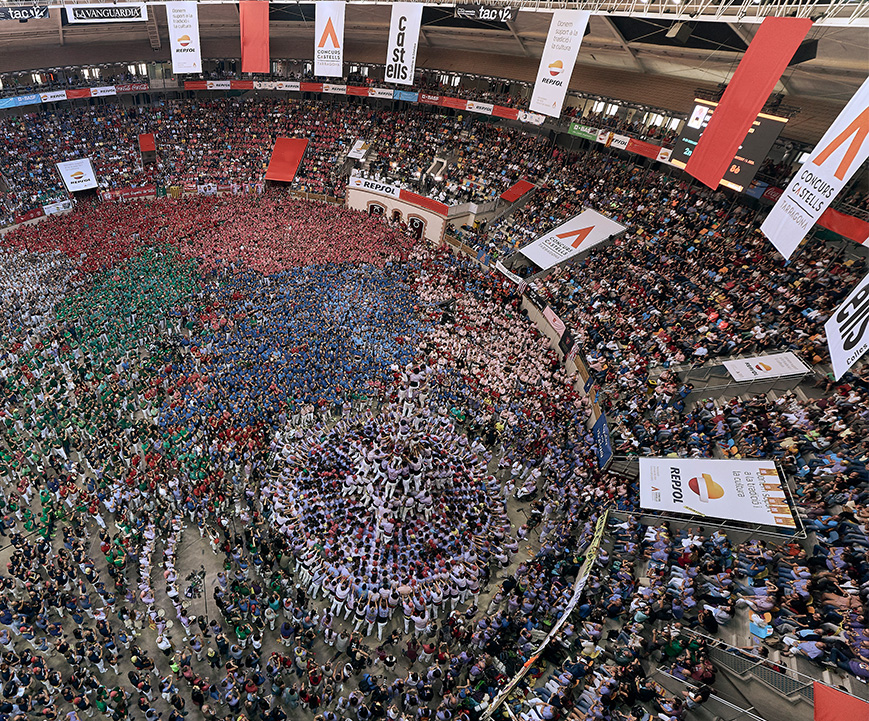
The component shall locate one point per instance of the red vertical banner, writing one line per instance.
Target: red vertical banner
(254, 36)
(767, 56)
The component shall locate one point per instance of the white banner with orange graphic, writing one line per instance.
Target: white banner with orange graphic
(841, 152)
(183, 20)
(748, 491)
(77, 174)
(403, 40)
(579, 234)
(776, 365)
(329, 40)
(556, 65)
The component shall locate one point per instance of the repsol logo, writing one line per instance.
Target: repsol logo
(551, 81)
(185, 50)
(379, 187)
(676, 484)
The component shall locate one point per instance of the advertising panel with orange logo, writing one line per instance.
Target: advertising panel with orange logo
(329, 40)
(556, 64)
(775, 365)
(183, 18)
(747, 491)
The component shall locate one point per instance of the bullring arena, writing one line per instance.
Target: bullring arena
(505, 363)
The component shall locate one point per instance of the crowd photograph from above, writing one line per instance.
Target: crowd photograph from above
(508, 363)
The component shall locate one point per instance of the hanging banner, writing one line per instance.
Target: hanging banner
(329, 39)
(103, 91)
(767, 56)
(380, 93)
(556, 65)
(334, 89)
(61, 207)
(359, 149)
(254, 16)
(107, 13)
(848, 329)
(577, 235)
(24, 12)
(403, 40)
(775, 365)
(603, 448)
(77, 174)
(556, 322)
(183, 20)
(748, 491)
(841, 152)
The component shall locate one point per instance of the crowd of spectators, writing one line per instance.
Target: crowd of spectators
(348, 421)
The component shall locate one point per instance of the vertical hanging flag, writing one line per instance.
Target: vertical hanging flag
(767, 56)
(403, 40)
(183, 20)
(329, 40)
(254, 36)
(556, 65)
(841, 152)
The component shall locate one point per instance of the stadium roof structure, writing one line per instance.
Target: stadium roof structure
(625, 55)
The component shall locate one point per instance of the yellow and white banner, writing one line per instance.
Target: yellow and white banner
(183, 20)
(841, 152)
(556, 65)
(848, 329)
(775, 365)
(748, 491)
(329, 39)
(403, 41)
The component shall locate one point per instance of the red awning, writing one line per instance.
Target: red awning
(514, 192)
(285, 159)
(146, 143)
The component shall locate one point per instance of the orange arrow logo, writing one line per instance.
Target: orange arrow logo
(580, 234)
(329, 32)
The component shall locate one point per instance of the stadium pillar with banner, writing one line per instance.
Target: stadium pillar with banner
(745, 491)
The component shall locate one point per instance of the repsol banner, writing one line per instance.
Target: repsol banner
(556, 64)
(183, 18)
(403, 40)
(374, 186)
(748, 491)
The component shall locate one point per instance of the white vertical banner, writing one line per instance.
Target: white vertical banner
(841, 152)
(183, 20)
(403, 40)
(329, 40)
(847, 329)
(556, 65)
